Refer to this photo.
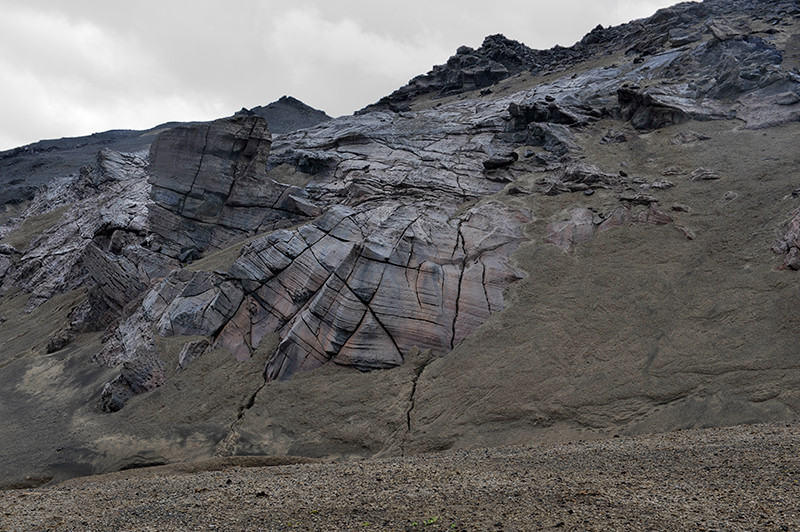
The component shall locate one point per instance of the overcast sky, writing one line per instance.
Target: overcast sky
(70, 68)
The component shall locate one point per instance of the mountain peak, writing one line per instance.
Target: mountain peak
(288, 114)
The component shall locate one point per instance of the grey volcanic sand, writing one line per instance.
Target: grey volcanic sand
(738, 478)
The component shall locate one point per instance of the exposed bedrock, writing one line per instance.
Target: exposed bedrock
(421, 280)
(99, 235)
(377, 234)
(392, 264)
(210, 186)
(356, 288)
(388, 238)
(584, 223)
(788, 242)
(469, 69)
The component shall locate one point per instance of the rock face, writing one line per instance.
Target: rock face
(100, 239)
(706, 63)
(24, 170)
(496, 59)
(391, 267)
(197, 173)
(499, 266)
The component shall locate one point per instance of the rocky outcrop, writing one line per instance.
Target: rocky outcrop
(584, 223)
(210, 186)
(356, 288)
(99, 236)
(192, 173)
(735, 64)
(645, 110)
(368, 250)
(788, 242)
(393, 266)
(469, 69)
(27, 169)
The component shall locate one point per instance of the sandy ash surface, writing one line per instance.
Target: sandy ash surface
(740, 478)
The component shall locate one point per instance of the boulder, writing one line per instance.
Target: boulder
(613, 136)
(687, 137)
(645, 110)
(704, 174)
(500, 161)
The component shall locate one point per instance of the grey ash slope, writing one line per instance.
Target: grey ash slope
(604, 242)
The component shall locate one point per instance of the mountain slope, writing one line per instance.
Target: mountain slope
(23, 170)
(587, 249)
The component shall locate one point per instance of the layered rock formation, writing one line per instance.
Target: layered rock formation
(100, 239)
(24, 170)
(392, 266)
(737, 55)
(206, 179)
(577, 251)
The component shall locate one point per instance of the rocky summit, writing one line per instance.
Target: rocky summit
(519, 246)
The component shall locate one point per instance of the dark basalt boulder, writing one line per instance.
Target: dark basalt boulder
(645, 111)
(497, 59)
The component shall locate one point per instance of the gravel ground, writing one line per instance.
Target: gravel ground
(739, 478)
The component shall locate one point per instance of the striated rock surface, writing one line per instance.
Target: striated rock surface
(388, 268)
(100, 237)
(393, 265)
(788, 242)
(196, 173)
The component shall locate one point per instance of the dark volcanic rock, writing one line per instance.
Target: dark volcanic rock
(646, 111)
(469, 69)
(613, 136)
(500, 161)
(735, 63)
